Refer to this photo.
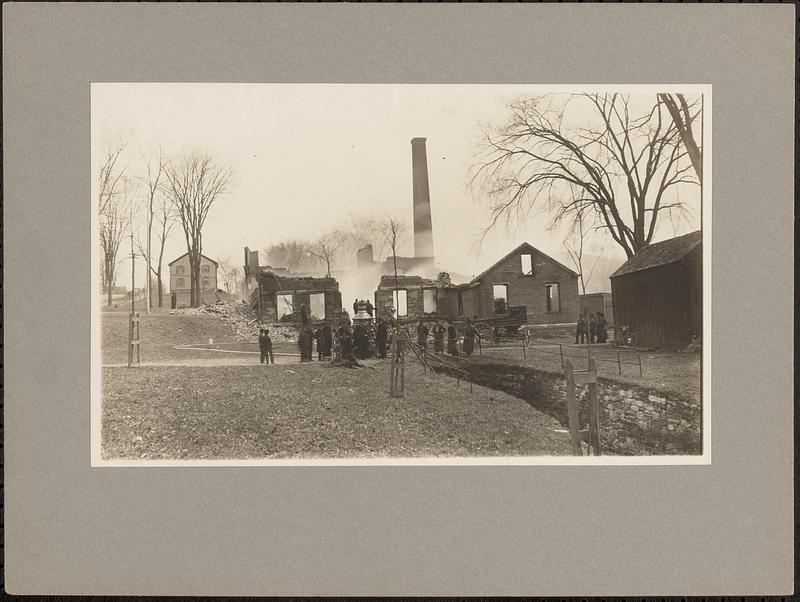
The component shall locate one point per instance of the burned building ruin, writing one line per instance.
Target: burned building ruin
(278, 295)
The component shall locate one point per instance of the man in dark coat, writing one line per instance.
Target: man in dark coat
(592, 328)
(381, 338)
(304, 342)
(452, 339)
(317, 335)
(357, 344)
(470, 332)
(422, 335)
(355, 307)
(438, 337)
(363, 342)
(580, 330)
(327, 340)
(370, 308)
(265, 343)
(345, 343)
(602, 333)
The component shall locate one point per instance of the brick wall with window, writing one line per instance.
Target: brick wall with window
(530, 290)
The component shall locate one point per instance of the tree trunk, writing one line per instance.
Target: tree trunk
(160, 288)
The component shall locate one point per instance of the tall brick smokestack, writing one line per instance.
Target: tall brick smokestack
(423, 228)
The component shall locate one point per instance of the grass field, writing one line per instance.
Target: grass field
(668, 372)
(313, 411)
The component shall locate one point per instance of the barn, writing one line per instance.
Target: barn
(657, 293)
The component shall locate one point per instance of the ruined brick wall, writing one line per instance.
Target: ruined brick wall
(530, 290)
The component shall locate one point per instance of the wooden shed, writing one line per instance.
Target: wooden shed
(658, 292)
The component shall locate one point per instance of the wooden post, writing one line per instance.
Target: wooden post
(594, 409)
(524, 353)
(639, 357)
(572, 411)
(561, 352)
(133, 341)
(619, 363)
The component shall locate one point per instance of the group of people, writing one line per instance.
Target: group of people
(596, 331)
(440, 330)
(356, 341)
(324, 340)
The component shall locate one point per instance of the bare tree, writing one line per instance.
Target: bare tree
(394, 230)
(326, 248)
(152, 183)
(684, 116)
(195, 182)
(574, 246)
(114, 212)
(618, 169)
(291, 254)
(230, 274)
(361, 231)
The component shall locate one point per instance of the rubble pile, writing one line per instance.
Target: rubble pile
(242, 319)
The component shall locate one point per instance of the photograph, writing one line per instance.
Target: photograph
(400, 273)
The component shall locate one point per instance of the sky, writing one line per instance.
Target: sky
(306, 156)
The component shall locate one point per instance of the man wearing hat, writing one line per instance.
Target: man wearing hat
(265, 343)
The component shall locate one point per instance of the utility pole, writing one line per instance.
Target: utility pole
(133, 272)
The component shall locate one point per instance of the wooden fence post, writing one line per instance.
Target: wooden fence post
(133, 341)
(594, 409)
(572, 411)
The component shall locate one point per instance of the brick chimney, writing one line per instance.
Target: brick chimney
(423, 228)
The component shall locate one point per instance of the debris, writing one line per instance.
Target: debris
(243, 321)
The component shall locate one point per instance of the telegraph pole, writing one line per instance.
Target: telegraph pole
(133, 272)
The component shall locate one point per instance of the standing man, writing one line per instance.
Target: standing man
(370, 308)
(602, 333)
(438, 337)
(452, 339)
(470, 332)
(265, 344)
(357, 345)
(422, 335)
(327, 340)
(304, 341)
(592, 328)
(355, 307)
(580, 330)
(318, 339)
(381, 338)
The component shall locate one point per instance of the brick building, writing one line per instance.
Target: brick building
(525, 279)
(528, 278)
(277, 297)
(180, 278)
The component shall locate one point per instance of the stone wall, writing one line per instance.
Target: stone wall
(633, 420)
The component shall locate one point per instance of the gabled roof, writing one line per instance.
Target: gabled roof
(527, 248)
(661, 253)
(187, 252)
